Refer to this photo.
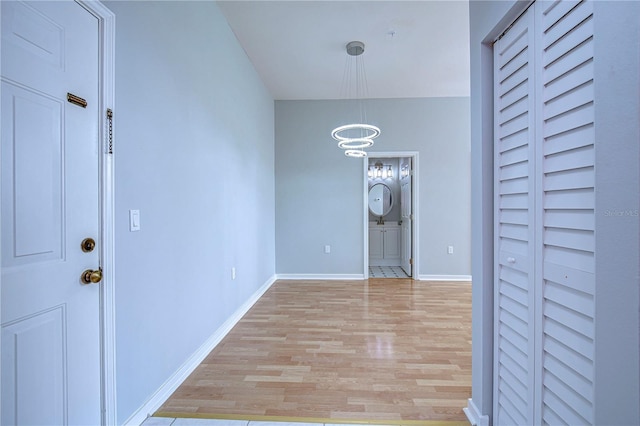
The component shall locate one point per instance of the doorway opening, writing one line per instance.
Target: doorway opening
(390, 215)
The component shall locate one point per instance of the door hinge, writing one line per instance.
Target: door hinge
(110, 135)
(410, 261)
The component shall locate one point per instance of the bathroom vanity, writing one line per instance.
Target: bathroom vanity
(384, 244)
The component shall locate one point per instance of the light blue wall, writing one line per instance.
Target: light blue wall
(319, 191)
(617, 127)
(195, 154)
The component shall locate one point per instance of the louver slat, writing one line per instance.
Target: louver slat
(580, 75)
(580, 178)
(578, 363)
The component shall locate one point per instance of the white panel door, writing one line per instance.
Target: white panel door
(406, 211)
(50, 201)
(514, 293)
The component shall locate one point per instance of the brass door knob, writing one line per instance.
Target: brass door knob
(91, 276)
(88, 244)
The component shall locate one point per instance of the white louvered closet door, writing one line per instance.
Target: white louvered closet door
(515, 218)
(553, 252)
(566, 205)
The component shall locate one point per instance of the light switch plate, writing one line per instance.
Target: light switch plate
(134, 220)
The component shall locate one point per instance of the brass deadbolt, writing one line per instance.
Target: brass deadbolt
(91, 276)
(88, 244)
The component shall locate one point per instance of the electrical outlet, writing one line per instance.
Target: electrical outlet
(450, 250)
(233, 273)
(327, 249)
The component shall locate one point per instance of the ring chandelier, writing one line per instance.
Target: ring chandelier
(353, 138)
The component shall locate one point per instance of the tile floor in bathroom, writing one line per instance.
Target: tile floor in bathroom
(386, 272)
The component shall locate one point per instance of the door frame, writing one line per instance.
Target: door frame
(106, 27)
(106, 96)
(415, 207)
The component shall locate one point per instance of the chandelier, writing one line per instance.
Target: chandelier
(356, 136)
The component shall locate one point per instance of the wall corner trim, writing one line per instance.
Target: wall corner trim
(444, 277)
(171, 384)
(474, 416)
(320, 276)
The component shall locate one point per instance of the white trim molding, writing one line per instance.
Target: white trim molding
(460, 278)
(320, 276)
(474, 416)
(415, 191)
(168, 387)
(106, 28)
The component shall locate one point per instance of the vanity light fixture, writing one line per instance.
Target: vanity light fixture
(380, 171)
(354, 137)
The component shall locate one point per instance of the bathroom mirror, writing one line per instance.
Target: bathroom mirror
(380, 199)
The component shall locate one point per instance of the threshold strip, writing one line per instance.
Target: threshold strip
(256, 418)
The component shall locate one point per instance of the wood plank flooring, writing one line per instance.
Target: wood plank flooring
(378, 350)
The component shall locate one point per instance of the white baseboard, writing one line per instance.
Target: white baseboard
(452, 278)
(444, 277)
(164, 392)
(320, 276)
(474, 416)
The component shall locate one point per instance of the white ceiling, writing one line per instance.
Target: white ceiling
(413, 48)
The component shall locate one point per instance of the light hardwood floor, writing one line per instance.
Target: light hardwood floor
(381, 350)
